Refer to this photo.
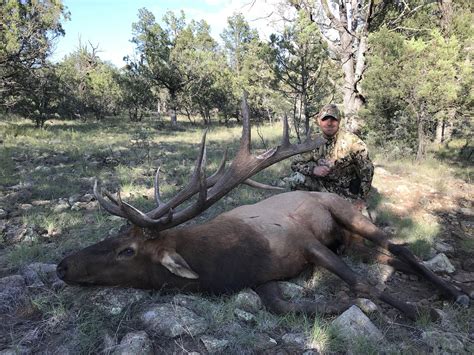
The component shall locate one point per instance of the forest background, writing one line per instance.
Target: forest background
(401, 70)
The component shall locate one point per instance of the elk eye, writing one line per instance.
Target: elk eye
(127, 252)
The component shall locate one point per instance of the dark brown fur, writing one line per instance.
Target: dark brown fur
(250, 246)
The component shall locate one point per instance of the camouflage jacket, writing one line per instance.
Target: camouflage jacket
(351, 169)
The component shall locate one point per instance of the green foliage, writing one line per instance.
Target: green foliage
(299, 57)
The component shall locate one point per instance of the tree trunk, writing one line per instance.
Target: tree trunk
(421, 137)
(446, 11)
(173, 109)
(444, 126)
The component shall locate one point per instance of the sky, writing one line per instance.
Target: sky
(108, 23)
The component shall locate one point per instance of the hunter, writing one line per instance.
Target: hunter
(342, 165)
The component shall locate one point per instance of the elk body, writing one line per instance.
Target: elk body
(250, 246)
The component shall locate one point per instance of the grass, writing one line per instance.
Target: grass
(63, 159)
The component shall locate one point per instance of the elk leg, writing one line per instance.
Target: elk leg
(323, 256)
(356, 244)
(272, 299)
(352, 220)
(405, 255)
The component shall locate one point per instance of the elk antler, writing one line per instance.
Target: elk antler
(211, 189)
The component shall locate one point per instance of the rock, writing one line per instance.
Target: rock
(440, 263)
(188, 301)
(468, 264)
(262, 341)
(39, 274)
(464, 277)
(3, 214)
(214, 345)
(114, 300)
(135, 343)
(443, 247)
(443, 342)
(61, 206)
(366, 305)
(172, 321)
(354, 323)
(467, 211)
(17, 350)
(13, 293)
(25, 207)
(291, 290)
(73, 199)
(88, 206)
(248, 300)
(40, 202)
(87, 198)
(244, 316)
(299, 339)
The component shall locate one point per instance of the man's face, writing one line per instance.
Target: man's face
(329, 125)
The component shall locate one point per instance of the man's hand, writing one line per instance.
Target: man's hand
(321, 171)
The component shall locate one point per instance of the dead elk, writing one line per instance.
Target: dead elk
(250, 246)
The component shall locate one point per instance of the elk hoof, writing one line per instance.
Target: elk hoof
(463, 300)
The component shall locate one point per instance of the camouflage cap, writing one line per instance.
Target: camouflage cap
(330, 110)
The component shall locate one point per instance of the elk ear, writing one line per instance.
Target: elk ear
(176, 264)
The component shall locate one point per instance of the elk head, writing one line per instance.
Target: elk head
(147, 253)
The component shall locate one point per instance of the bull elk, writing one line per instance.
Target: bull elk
(249, 246)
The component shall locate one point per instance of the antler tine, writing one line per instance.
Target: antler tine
(245, 141)
(285, 142)
(156, 184)
(211, 180)
(112, 208)
(190, 189)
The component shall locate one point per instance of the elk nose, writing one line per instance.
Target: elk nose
(61, 270)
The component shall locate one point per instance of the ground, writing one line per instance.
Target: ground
(46, 212)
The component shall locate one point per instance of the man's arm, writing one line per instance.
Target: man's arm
(303, 163)
(365, 167)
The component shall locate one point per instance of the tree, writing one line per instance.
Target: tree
(300, 58)
(137, 95)
(39, 101)
(412, 83)
(89, 86)
(345, 25)
(154, 46)
(27, 33)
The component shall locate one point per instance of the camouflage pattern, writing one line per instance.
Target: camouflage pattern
(351, 168)
(330, 110)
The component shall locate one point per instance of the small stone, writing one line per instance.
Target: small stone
(263, 342)
(464, 277)
(25, 206)
(172, 321)
(291, 290)
(440, 263)
(354, 323)
(39, 274)
(366, 305)
(13, 293)
(113, 301)
(468, 264)
(244, 316)
(214, 345)
(73, 199)
(3, 214)
(443, 247)
(61, 206)
(299, 339)
(443, 342)
(467, 211)
(87, 198)
(135, 343)
(248, 300)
